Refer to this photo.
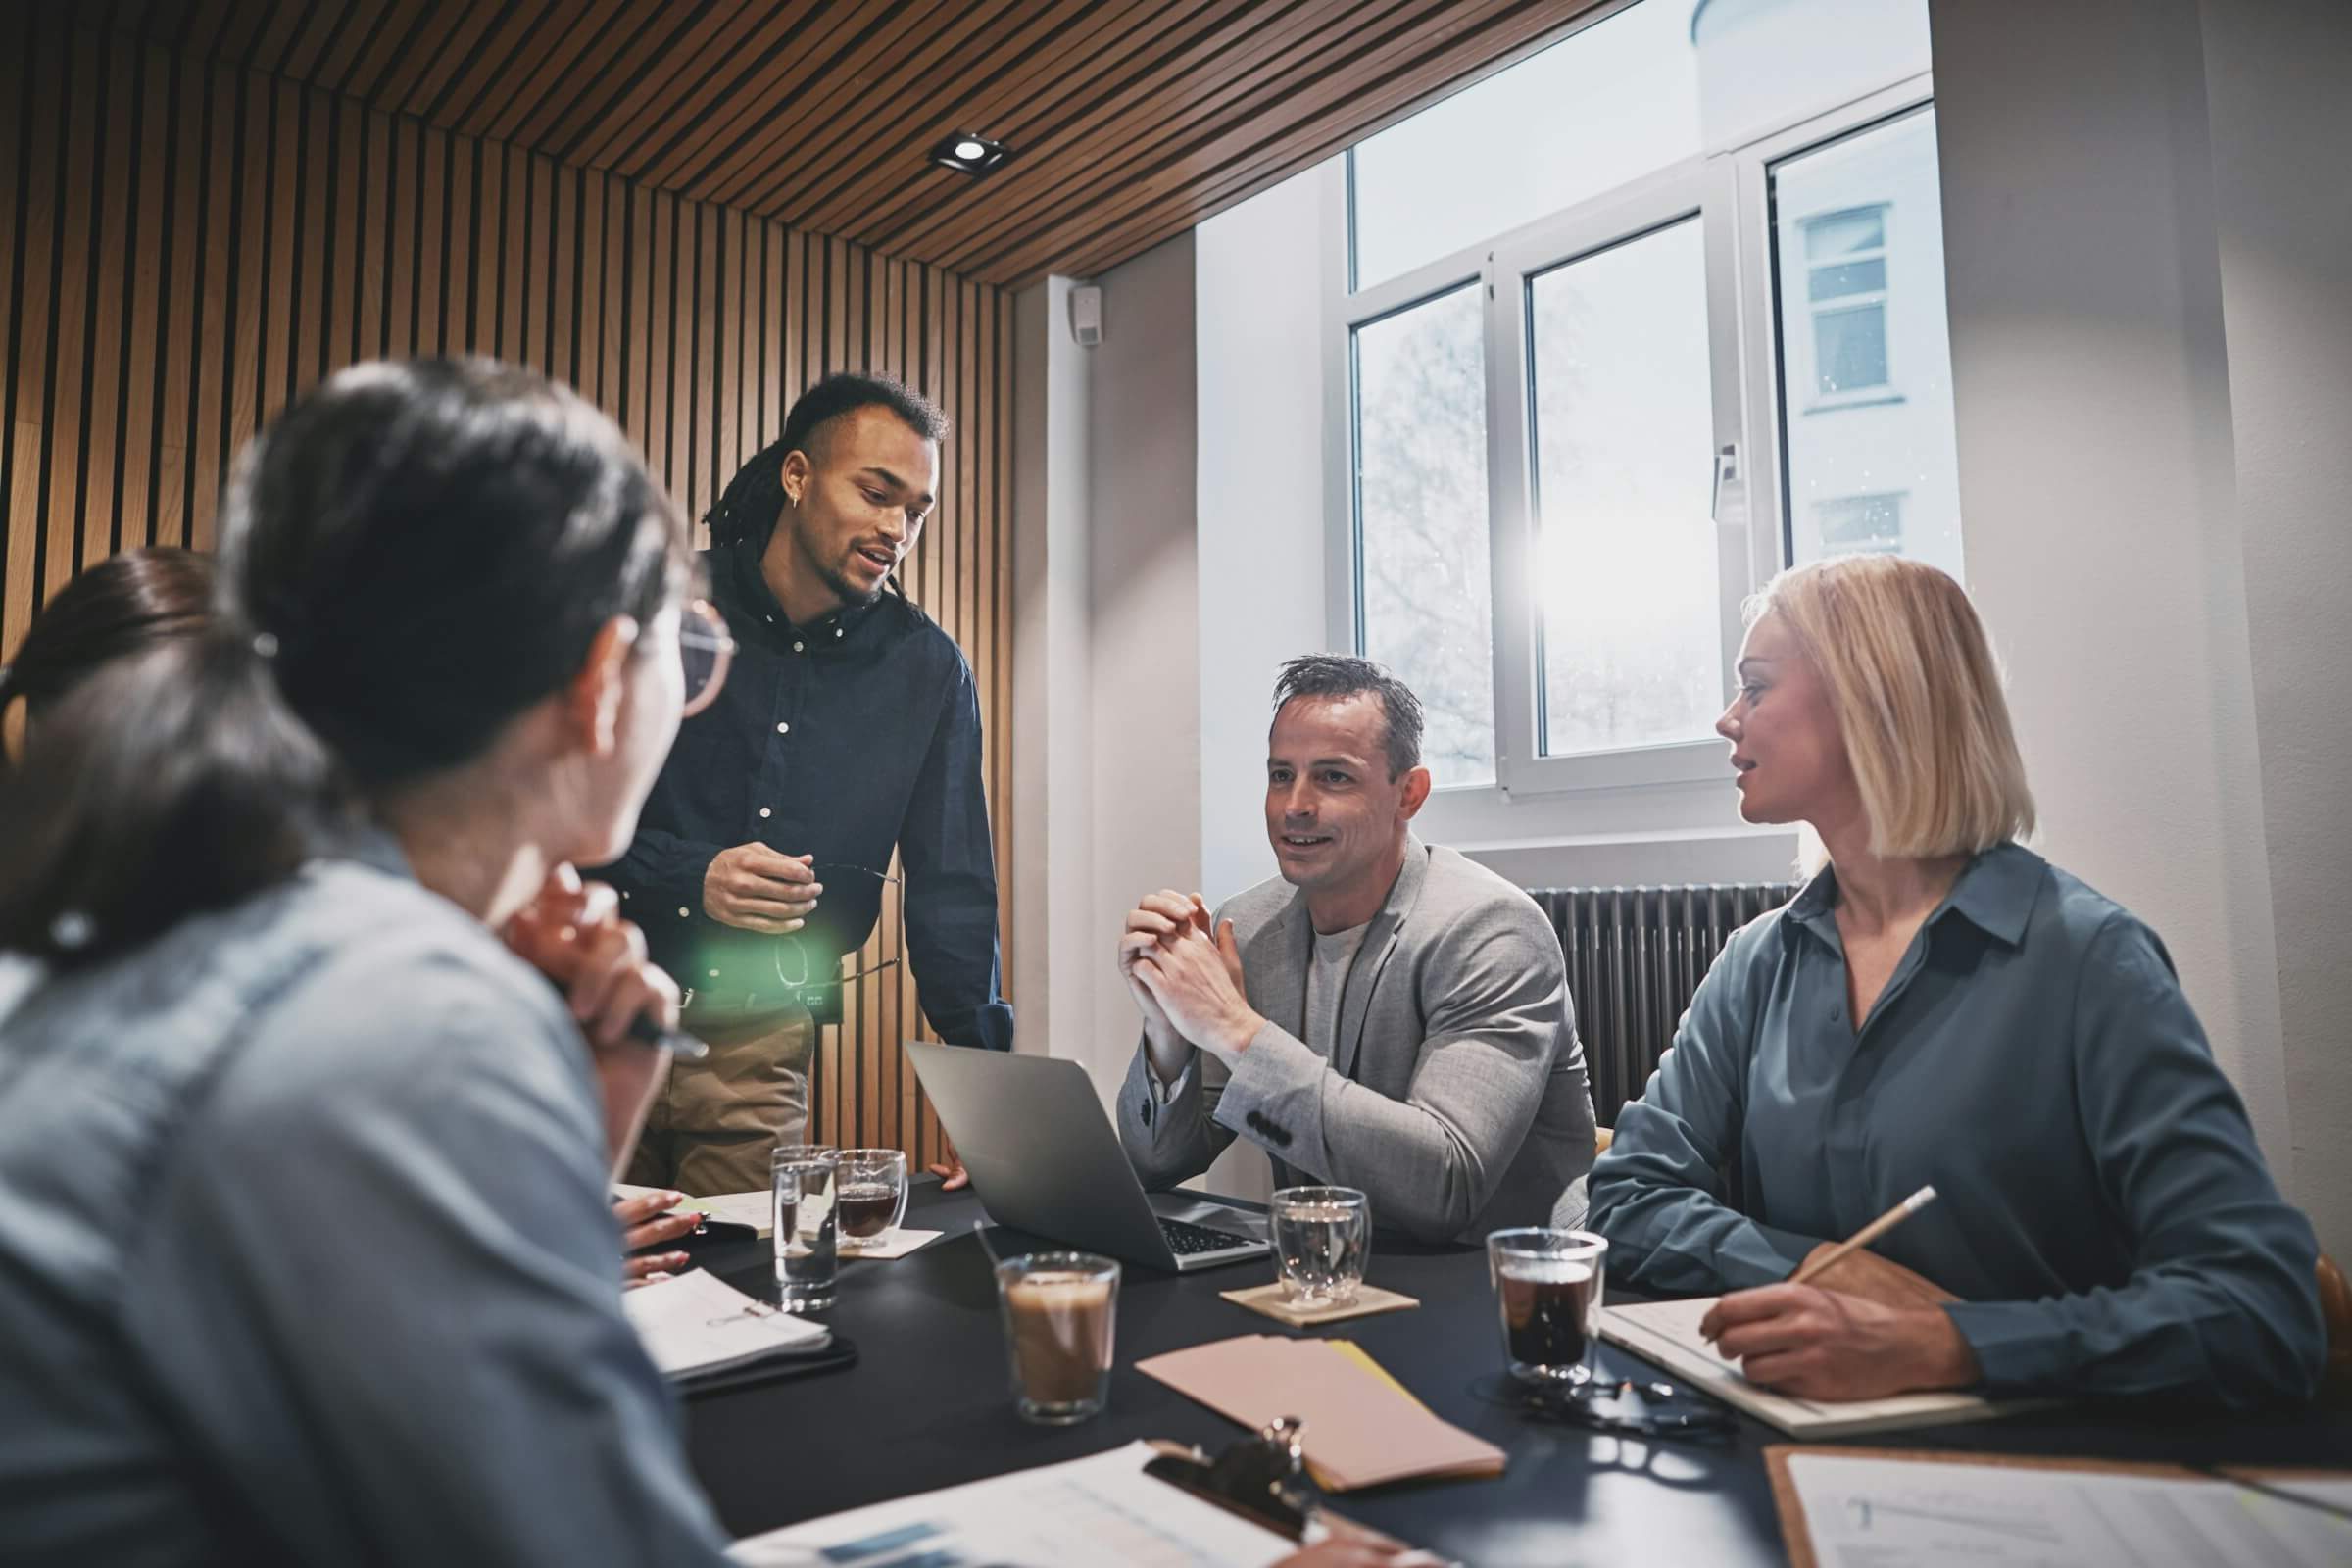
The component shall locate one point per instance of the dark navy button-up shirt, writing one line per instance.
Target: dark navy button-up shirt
(845, 739)
(2102, 1210)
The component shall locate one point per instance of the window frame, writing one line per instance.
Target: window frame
(1728, 189)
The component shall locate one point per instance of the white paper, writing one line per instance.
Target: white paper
(1086, 1512)
(696, 1322)
(1667, 1333)
(1905, 1514)
(755, 1209)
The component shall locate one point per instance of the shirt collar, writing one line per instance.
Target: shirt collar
(1995, 893)
(370, 844)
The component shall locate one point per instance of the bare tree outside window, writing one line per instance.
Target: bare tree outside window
(1421, 498)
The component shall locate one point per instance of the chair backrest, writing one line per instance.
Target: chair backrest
(2335, 1306)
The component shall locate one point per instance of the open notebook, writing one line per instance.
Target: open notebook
(694, 1324)
(1667, 1333)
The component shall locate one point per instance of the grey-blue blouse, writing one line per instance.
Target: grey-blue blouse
(306, 1253)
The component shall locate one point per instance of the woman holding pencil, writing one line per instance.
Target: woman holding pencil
(1941, 1007)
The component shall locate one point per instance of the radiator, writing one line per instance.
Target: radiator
(1635, 955)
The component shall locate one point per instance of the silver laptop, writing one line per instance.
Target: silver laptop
(1045, 1158)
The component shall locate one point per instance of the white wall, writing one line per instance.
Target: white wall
(1053, 630)
(1107, 642)
(2281, 118)
(1260, 464)
(2091, 380)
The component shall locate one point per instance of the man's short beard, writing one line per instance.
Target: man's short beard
(849, 593)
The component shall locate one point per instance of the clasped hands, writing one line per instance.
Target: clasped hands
(1185, 975)
(1865, 1328)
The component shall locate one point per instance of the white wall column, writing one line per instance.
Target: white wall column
(2280, 118)
(2091, 380)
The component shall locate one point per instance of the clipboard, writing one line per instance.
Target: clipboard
(1796, 1535)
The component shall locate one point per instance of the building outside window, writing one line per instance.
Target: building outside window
(1846, 287)
(1860, 524)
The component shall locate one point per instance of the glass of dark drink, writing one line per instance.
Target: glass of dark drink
(1547, 1287)
(872, 1195)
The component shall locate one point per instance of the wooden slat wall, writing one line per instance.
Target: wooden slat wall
(185, 246)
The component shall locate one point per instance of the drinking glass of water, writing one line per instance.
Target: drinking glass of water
(1547, 1291)
(1322, 1237)
(802, 1181)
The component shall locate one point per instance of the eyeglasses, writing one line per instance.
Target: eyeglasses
(705, 650)
(1624, 1408)
(804, 981)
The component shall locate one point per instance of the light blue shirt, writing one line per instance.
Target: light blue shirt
(306, 1252)
(2102, 1213)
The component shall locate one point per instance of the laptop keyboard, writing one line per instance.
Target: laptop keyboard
(1189, 1241)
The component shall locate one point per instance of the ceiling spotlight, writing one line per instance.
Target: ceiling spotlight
(967, 154)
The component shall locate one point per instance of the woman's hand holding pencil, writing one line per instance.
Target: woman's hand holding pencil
(1816, 1339)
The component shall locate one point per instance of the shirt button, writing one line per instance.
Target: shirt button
(796, 648)
(682, 911)
(715, 974)
(783, 730)
(837, 631)
(765, 812)
(771, 620)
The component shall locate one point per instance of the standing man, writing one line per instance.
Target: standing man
(849, 726)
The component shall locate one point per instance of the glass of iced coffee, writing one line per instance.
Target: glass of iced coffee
(1060, 1309)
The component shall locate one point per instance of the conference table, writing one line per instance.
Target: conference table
(928, 1404)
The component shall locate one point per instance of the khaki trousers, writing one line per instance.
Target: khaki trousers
(714, 1126)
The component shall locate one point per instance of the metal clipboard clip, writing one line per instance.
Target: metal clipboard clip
(1263, 1479)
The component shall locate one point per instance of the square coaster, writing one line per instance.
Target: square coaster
(898, 1243)
(1370, 1301)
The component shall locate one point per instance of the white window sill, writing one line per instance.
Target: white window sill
(1872, 398)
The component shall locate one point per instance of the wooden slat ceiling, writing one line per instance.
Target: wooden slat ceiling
(1131, 119)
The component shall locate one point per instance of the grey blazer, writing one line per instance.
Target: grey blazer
(1458, 1101)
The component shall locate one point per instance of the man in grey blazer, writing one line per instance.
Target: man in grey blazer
(1385, 1016)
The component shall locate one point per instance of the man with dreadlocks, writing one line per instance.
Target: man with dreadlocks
(848, 728)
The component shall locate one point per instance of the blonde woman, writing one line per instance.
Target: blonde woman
(1940, 1004)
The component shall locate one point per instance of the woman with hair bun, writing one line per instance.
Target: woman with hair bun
(314, 1258)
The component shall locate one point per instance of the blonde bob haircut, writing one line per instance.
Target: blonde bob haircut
(1917, 698)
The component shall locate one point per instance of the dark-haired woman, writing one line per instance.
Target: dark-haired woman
(126, 603)
(134, 601)
(313, 1259)
(142, 599)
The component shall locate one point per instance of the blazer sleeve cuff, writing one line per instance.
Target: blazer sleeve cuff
(1276, 1067)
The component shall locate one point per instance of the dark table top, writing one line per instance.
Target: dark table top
(928, 1404)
